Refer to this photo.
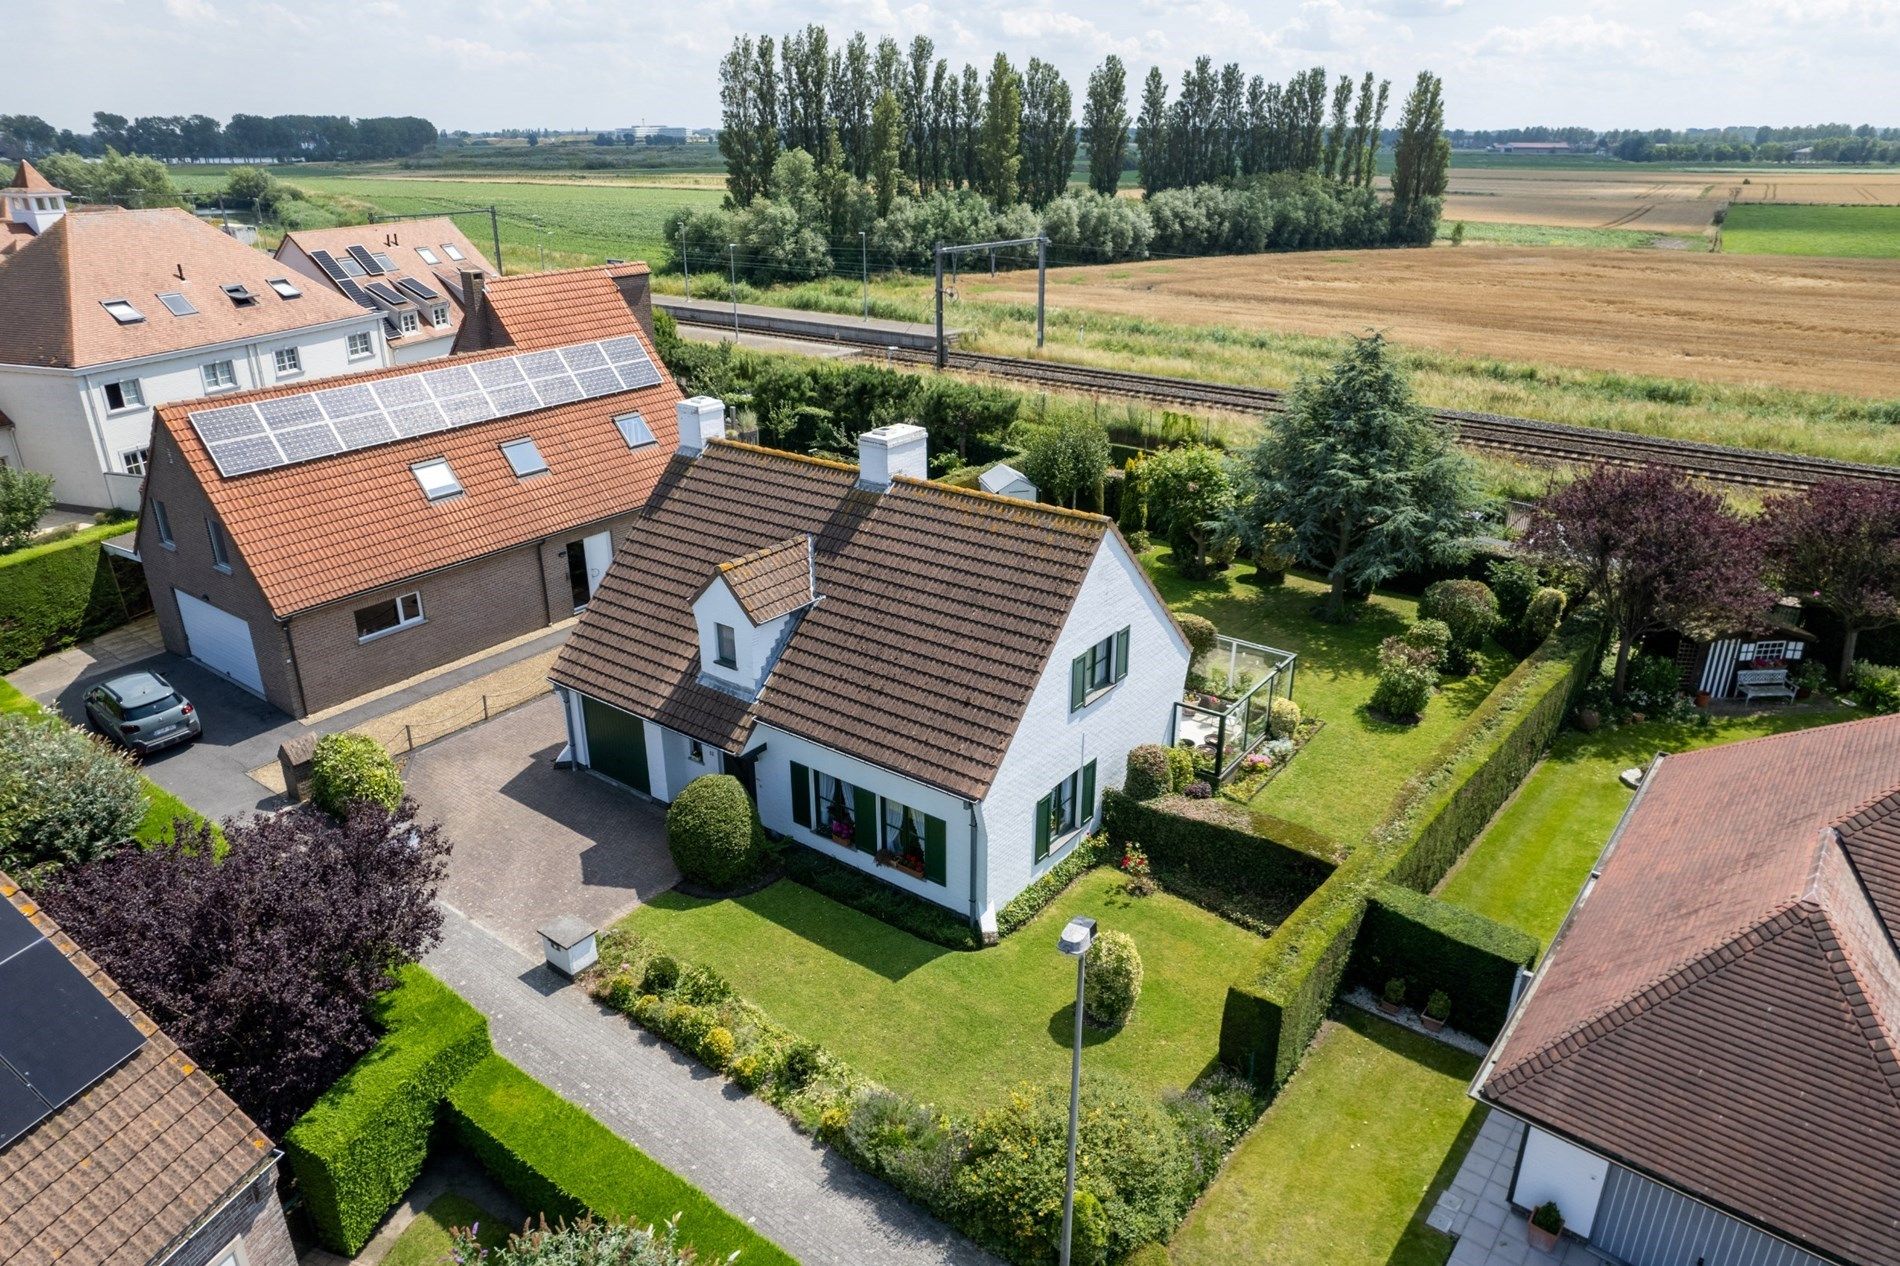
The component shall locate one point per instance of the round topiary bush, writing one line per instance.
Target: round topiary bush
(1112, 982)
(351, 769)
(1148, 775)
(1541, 616)
(1200, 633)
(1283, 718)
(1429, 635)
(711, 831)
(1469, 609)
(66, 798)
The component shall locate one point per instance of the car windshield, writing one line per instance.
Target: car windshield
(139, 711)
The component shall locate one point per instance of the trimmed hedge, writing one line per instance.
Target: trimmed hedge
(1434, 944)
(1087, 854)
(1268, 1024)
(847, 885)
(359, 1148)
(63, 592)
(1216, 843)
(558, 1160)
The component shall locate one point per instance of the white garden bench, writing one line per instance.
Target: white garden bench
(1763, 683)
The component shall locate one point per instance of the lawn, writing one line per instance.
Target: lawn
(953, 1027)
(1864, 232)
(1337, 670)
(1345, 1165)
(1530, 863)
(425, 1241)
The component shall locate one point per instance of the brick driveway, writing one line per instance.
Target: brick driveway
(532, 841)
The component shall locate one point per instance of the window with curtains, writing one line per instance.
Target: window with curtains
(891, 833)
(1066, 812)
(1095, 671)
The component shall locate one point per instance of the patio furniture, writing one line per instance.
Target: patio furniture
(1763, 683)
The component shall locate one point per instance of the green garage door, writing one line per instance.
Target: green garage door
(616, 744)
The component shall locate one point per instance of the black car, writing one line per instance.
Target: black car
(142, 712)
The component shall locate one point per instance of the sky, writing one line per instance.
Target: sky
(569, 64)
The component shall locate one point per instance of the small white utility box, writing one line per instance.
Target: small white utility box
(569, 945)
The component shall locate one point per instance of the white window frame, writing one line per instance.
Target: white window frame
(449, 249)
(409, 613)
(218, 381)
(427, 256)
(890, 825)
(1067, 793)
(407, 321)
(439, 315)
(436, 490)
(220, 544)
(135, 461)
(124, 311)
(511, 447)
(724, 637)
(162, 522)
(626, 423)
(285, 288)
(1101, 670)
(131, 395)
(361, 345)
(288, 360)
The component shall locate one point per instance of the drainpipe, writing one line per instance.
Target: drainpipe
(296, 673)
(976, 911)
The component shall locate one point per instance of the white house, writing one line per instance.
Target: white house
(105, 313)
(411, 273)
(929, 683)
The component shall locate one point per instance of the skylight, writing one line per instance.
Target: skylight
(122, 311)
(428, 256)
(383, 261)
(284, 288)
(524, 458)
(350, 267)
(448, 248)
(437, 480)
(177, 304)
(239, 294)
(634, 430)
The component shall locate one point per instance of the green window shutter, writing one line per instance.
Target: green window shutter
(1121, 654)
(1087, 816)
(1078, 682)
(864, 824)
(1043, 807)
(801, 794)
(933, 849)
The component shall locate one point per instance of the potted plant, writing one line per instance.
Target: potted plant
(1701, 698)
(910, 847)
(1808, 676)
(1546, 1227)
(839, 818)
(1394, 996)
(1437, 1010)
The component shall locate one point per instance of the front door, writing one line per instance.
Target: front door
(745, 769)
(587, 562)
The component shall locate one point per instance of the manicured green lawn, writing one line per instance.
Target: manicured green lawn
(1345, 779)
(425, 1241)
(1530, 863)
(952, 1027)
(1345, 1165)
(1756, 228)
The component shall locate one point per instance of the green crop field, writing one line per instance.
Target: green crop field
(1864, 232)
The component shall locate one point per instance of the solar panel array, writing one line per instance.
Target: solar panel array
(243, 438)
(58, 1034)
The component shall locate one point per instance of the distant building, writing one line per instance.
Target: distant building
(408, 273)
(1004, 480)
(1532, 147)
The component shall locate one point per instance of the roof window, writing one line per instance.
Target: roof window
(634, 430)
(524, 458)
(437, 480)
(122, 311)
(284, 288)
(448, 248)
(176, 304)
(383, 261)
(239, 294)
(428, 256)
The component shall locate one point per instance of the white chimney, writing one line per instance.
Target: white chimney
(899, 449)
(702, 418)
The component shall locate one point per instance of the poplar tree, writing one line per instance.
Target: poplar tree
(1105, 120)
(1047, 134)
(1421, 161)
(887, 126)
(999, 153)
(738, 144)
(1153, 134)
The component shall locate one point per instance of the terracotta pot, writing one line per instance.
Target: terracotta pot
(1390, 1008)
(1701, 698)
(1588, 719)
(1802, 692)
(1431, 1025)
(1541, 1240)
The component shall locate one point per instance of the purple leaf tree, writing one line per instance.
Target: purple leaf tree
(265, 965)
(1838, 546)
(1655, 551)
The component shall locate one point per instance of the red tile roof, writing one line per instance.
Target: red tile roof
(402, 241)
(27, 176)
(1720, 1011)
(125, 1170)
(534, 310)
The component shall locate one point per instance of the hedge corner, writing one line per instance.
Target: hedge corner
(1436, 945)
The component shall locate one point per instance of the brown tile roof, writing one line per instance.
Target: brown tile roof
(1720, 1010)
(52, 288)
(937, 610)
(322, 530)
(120, 1173)
(27, 176)
(400, 240)
(534, 310)
(773, 581)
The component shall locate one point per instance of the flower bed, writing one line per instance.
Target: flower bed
(1257, 769)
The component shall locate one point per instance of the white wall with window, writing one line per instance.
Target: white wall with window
(287, 361)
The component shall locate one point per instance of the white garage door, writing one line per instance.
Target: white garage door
(220, 641)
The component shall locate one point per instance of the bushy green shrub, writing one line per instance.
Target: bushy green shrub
(1469, 609)
(712, 832)
(1541, 618)
(25, 497)
(1200, 633)
(1180, 768)
(348, 769)
(867, 894)
(1430, 635)
(1283, 718)
(1148, 773)
(66, 798)
(1514, 582)
(662, 973)
(1653, 683)
(803, 1061)
(1088, 1238)
(1111, 982)
(584, 1243)
(909, 1145)
(1084, 856)
(1877, 687)
(716, 1048)
(1406, 679)
(360, 1147)
(1212, 1115)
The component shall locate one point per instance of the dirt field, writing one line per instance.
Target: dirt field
(1818, 324)
(1626, 196)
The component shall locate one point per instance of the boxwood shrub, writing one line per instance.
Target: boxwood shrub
(63, 592)
(359, 1148)
(1087, 854)
(1218, 844)
(1436, 945)
(712, 831)
(349, 769)
(847, 885)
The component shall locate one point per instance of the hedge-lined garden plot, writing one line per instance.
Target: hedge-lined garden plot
(62, 592)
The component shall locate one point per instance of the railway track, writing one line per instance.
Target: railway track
(1524, 438)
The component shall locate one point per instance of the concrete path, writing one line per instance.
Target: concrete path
(1476, 1209)
(741, 1152)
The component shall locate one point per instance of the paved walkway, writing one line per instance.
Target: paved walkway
(741, 1152)
(1476, 1208)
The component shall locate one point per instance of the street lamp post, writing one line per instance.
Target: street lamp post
(1075, 942)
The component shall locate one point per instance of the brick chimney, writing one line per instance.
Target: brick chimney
(899, 449)
(474, 287)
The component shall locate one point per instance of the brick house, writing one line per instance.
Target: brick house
(317, 543)
(147, 1162)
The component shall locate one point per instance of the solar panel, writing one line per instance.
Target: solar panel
(58, 1033)
(331, 269)
(243, 438)
(355, 292)
(365, 260)
(388, 294)
(422, 291)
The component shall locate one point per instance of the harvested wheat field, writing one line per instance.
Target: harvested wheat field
(1628, 196)
(1817, 324)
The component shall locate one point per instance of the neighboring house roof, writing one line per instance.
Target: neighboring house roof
(27, 176)
(54, 286)
(937, 610)
(534, 310)
(1719, 1012)
(317, 531)
(126, 1170)
(402, 242)
(773, 581)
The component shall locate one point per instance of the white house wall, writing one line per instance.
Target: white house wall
(1052, 743)
(1553, 1170)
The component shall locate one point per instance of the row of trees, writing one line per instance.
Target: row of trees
(315, 137)
(1224, 126)
(1827, 142)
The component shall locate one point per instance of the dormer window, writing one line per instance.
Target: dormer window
(727, 654)
(436, 479)
(122, 311)
(239, 294)
(284, 288)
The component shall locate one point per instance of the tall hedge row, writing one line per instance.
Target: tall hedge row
(1268, 1024)
(1436, 945)
(359, 1148)
(54, 595)
(1217, 844)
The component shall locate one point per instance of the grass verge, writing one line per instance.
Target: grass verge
(425, 1241)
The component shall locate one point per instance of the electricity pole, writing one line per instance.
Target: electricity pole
(686, 265)
(732, 253)
(1042, 278)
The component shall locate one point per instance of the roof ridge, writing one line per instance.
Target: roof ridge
(1866, 1015)
(1015, 503)
(802, 538)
